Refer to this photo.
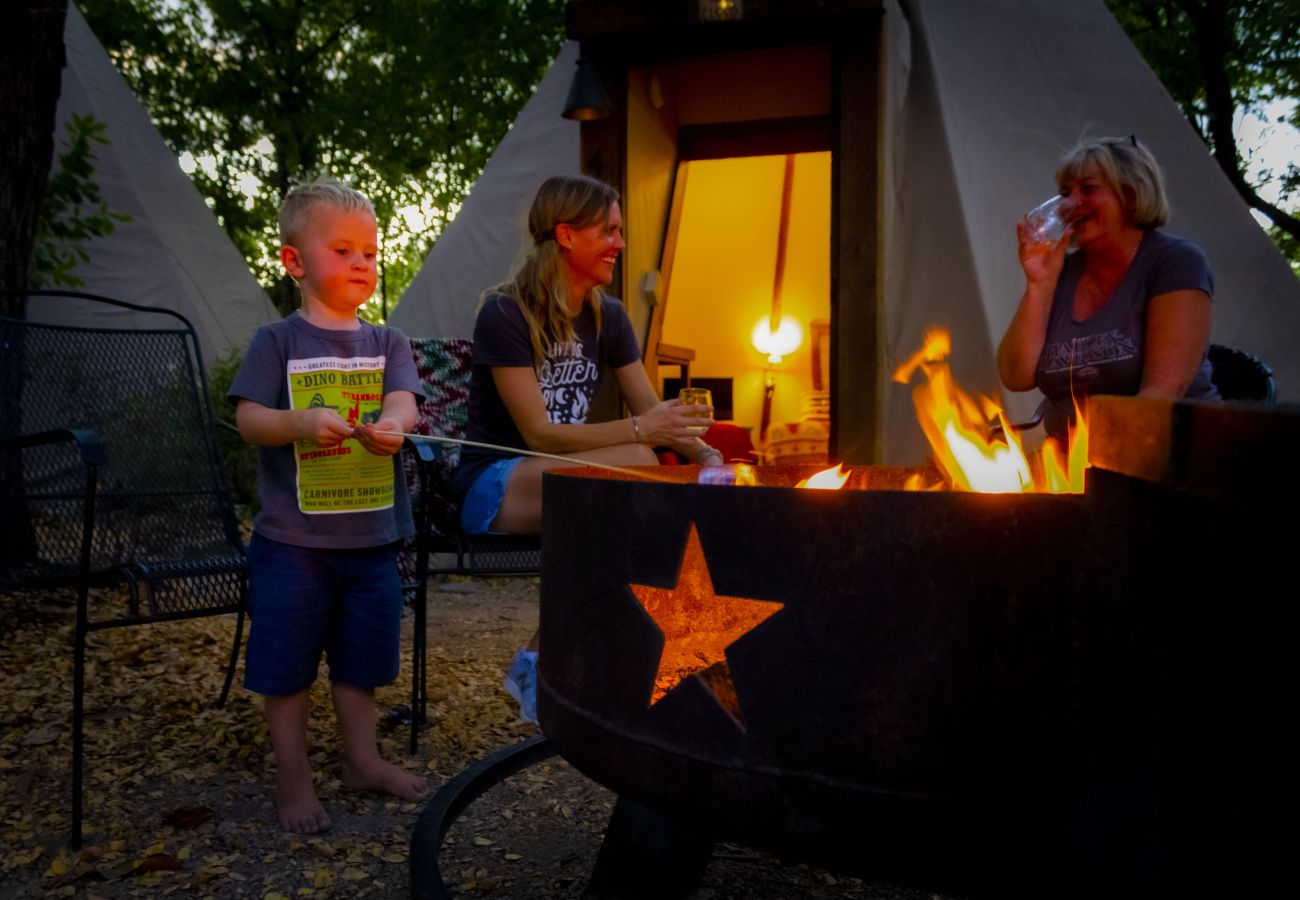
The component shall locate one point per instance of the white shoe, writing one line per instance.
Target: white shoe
(521, 683)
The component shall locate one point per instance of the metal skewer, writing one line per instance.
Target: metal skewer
(517, 452)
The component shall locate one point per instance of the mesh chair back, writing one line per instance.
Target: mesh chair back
(444, 365)
(163, 515)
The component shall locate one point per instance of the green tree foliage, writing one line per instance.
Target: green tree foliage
(73, 211)
(405, 99)
(1220, 59)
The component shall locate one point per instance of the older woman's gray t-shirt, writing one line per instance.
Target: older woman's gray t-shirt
(1105, 353)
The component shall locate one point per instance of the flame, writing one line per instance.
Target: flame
(973, 442)
(831, 479)
(1063, 474)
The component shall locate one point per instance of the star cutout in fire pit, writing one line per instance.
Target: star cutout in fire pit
(698, 625)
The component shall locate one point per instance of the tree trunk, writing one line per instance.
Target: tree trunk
(32, 42)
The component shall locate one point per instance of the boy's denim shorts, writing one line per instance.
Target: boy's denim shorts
(483, 501)
(303, 600)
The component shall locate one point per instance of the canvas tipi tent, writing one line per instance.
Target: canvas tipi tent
(978, 101)
(478, 247)
(172, 253)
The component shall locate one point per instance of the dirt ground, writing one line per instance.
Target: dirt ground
(178, 791)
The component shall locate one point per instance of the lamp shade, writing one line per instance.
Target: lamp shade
(782, 342)
(588, 100)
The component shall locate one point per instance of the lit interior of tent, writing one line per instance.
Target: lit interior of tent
(724, 283)
(728, 222)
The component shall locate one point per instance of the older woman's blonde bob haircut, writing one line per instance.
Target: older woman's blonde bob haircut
(540, 286)
(1128, 169)
(295, 209)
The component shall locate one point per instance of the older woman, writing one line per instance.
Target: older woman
(542, 344)
(1128, 312)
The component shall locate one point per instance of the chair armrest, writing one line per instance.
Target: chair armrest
(1033, 420)
(88, 443)
(425, 451)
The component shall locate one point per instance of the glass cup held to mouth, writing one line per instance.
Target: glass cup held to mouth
(1048, 221)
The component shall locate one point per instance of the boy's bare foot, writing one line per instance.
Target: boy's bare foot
(380, 775)
(299, 809)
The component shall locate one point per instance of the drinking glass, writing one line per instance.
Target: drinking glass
(1048, 220)
(695, 396)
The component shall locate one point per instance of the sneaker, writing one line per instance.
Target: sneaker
(521, 683)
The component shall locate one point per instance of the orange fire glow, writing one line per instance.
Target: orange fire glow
(698, 625)
(831, 479)
(973, 442)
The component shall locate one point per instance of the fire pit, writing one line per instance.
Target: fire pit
(883, 675)
(998, 694)
(1033, 695)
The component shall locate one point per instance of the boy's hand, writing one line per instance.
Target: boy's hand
(379, 444)
(325, 427)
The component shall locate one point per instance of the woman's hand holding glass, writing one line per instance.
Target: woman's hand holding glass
(1041, 261)
(671, 423)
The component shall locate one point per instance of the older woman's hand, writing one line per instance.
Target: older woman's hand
(1041, 261)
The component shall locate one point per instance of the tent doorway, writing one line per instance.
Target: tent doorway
(726, 241)
(700, 117)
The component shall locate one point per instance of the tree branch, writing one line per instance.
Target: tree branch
(1211, 32)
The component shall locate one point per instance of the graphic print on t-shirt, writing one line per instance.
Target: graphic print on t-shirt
(345, 478)
(568, 380)
(1082, 355)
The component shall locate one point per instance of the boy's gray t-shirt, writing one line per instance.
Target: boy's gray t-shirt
(343, 497)
(1105, 353)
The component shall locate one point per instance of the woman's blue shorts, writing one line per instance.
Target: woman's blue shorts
(303, 600)
(483, 501)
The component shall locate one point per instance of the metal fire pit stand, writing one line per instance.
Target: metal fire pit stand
(644, 853)
(452, 800)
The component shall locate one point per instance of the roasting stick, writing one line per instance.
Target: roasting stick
(537, 453)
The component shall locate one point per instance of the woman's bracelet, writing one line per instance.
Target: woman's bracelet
(706, 453)
(636, 432)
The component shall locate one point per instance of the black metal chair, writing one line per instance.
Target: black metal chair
(1240, 376)
(110, 476)
(444, 367)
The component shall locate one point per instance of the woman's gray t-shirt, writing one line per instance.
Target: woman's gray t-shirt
(1104, 354)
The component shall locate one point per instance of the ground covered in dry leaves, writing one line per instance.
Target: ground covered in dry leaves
(178, 791)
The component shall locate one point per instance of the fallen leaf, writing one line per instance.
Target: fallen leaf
(482, 841)
(37, 737)
(188, 818)
(158, 862)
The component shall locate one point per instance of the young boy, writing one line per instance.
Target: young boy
(313, 393)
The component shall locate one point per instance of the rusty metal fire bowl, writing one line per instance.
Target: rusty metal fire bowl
(905, 677)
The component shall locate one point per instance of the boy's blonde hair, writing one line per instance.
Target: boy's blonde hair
(1130, 170)
(295, 209)
(539, 286)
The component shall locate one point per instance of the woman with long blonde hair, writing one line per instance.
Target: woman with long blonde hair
(542, 343)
